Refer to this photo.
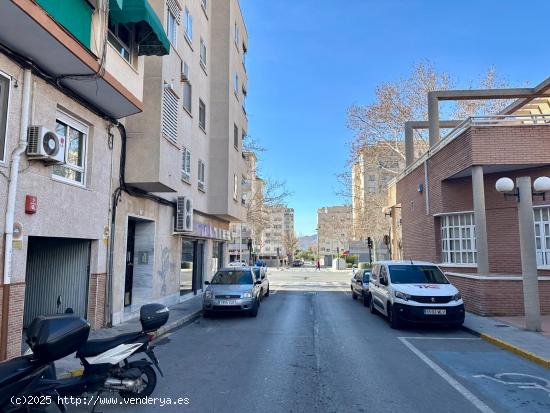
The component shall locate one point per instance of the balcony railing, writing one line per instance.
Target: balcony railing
(476, 121)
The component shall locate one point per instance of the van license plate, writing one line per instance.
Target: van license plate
(227, 302)
(433, 311)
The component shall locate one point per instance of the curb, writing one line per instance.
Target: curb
(178, 323)
(516, 350)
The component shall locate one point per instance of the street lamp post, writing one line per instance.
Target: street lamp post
(524, 196)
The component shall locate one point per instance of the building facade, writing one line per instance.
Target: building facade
(453, 215)
(189, 148)
(59, 145)
(119, 117)
(334, 226)
(273, 246)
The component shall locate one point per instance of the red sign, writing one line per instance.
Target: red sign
(31, 204)
(345, 253)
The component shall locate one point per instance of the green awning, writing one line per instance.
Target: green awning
(150, 35)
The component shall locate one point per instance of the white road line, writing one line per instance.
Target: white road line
(482, 407)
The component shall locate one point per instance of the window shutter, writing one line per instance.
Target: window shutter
(170, 115)
(175, 9)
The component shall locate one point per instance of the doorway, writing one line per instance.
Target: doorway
(140, 258)
(192, 266)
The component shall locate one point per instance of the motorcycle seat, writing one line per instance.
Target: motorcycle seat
(95, 347)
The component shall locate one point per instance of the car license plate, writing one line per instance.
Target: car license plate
(435, 311)
(227, 302)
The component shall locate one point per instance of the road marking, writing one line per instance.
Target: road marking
(482, 407)
(522, 385)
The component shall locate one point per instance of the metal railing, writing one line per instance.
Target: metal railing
(476, 121)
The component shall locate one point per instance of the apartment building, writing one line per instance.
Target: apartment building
(453, 215)
(273, 246)
(186, 145)
(59, 145)
(334, 230)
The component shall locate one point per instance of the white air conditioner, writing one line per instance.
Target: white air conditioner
(45, 145)
(184, 214)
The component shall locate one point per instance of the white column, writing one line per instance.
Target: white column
(531, 301)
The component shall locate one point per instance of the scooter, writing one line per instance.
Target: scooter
(106, 364)
(50, 338)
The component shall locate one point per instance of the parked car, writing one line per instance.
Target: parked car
(238, 264)
(360, 286)
(233, 289)
(261, 274)
(297, 263)
(416, 292)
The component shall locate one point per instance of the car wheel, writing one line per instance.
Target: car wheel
(267, 293)
(392, 318)
(371, 306)
(353, 295)
(366, 299)
(254, 311)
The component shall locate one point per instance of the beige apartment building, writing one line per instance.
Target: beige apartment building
(280, 224)
(59, 147)
(334, 230)
(187, 143)
(119, 118)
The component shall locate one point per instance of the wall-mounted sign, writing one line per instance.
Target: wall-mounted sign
(31, 204)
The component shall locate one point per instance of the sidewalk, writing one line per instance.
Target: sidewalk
(180, 314)
(503, 333)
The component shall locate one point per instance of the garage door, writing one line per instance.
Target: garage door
(56, 268)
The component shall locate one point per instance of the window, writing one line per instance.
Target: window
(458, 243)
(172, 26)
(187, 89)
(243, 136)
(75, 135)
(416, 274)
(236, 137)
(202, 115)
(4, 96)
(201, 176)
(185, 164)
(236, 84)
(203, 53)
(542, 236)
(237, 34)
(121, 37)
(235, 187)
(170, 103)
(188, 25)
(244, 100)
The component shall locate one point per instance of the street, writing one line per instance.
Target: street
(313, 348)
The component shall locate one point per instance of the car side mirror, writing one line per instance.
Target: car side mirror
(207, 283)
(383, 281)
(258, 282)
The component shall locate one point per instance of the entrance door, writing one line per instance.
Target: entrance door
(129, 278)
(57, 277)
(198, 265)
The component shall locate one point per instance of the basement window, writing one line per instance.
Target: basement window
(458, 242)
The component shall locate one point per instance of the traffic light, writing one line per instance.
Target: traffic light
(369, 242)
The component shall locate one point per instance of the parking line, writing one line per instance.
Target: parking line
(482, 407)
(440, 338)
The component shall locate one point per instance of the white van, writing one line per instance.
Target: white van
(416, 292)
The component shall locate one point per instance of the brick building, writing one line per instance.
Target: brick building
(452, 214)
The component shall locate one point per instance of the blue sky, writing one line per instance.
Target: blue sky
(309, 60)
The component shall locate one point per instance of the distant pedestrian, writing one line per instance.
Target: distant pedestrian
(318, 265)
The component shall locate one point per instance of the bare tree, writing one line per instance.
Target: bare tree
(290, 243)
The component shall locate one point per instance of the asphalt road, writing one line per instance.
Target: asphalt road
(314, 349)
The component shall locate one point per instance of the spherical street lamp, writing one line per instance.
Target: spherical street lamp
(542, 184)
(504, 185)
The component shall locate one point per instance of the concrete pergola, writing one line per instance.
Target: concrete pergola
(413, 125)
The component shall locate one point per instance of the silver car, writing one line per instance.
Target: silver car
(261, 274)
(233, 289)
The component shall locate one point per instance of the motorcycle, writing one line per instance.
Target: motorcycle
(107, 366)
(50, 338)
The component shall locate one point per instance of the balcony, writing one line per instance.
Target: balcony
(58, 40)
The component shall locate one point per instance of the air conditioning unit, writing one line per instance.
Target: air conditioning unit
(184, 214)
(45, 145)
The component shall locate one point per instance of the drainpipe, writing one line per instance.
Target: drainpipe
(14, 174)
